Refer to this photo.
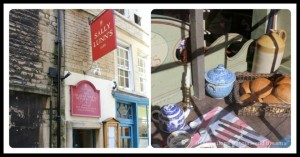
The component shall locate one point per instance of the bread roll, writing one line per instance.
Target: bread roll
(283, 80)
(271, 99)
(250, 98)
(260, 100)
(245, 87)
(261, 86)
(245, 97)
(283, 92)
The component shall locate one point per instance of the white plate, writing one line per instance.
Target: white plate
(179, 139)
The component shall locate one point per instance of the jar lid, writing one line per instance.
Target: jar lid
(219, 75)
(170, 109)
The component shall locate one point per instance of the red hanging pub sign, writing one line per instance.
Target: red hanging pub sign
(103, 34)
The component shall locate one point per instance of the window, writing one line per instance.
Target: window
(124, 111)
(126, 136)
(137, 19)
(124, 69)
(121, 11)
(143, 126)
(142, 73)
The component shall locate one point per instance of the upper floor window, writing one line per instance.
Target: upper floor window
(142, 73)
(124, 67)
(137, 19)
(121, 11)
(124, 12)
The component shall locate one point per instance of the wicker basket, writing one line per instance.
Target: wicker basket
(257, 108)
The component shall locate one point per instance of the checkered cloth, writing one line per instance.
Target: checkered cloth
(224, 136)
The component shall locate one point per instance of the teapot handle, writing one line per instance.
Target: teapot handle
(152, 117)
(282, 34)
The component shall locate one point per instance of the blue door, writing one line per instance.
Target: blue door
(132, 113)
(125, 114)
(126, 136)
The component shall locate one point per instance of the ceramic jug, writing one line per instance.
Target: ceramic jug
(269, 52)
(170, 118)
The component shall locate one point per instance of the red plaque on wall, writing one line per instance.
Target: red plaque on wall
(85, 100)
(103, 34)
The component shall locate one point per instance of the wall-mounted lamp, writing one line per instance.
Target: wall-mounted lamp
(115, 85)
(53, 74)
(94, 69)
(67, 75)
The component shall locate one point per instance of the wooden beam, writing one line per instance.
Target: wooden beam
(197, 45)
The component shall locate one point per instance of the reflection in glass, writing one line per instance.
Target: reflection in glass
(143, 126)
(126, 136)
(125, 131)
(125, 143)
(124, 110)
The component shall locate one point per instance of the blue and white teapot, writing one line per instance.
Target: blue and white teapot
(170, 118)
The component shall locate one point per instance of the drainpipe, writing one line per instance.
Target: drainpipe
(58, 118)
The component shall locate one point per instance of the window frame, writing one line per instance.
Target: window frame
(142, 75)
(130, 137)
(147, 125)
(137, 19)
(126, 47)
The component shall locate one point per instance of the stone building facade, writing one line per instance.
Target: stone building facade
(33, 51)
(32, 35)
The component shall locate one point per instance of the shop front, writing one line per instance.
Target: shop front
(88, 102)
(132, 112)
(97, 116)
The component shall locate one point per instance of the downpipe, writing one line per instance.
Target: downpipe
(58, 116)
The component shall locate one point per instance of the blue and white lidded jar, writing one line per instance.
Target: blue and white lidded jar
(219, 82)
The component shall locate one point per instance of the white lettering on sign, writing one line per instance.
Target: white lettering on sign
(103, 34)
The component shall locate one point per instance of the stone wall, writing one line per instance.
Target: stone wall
(32, 50)
(32, 36)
